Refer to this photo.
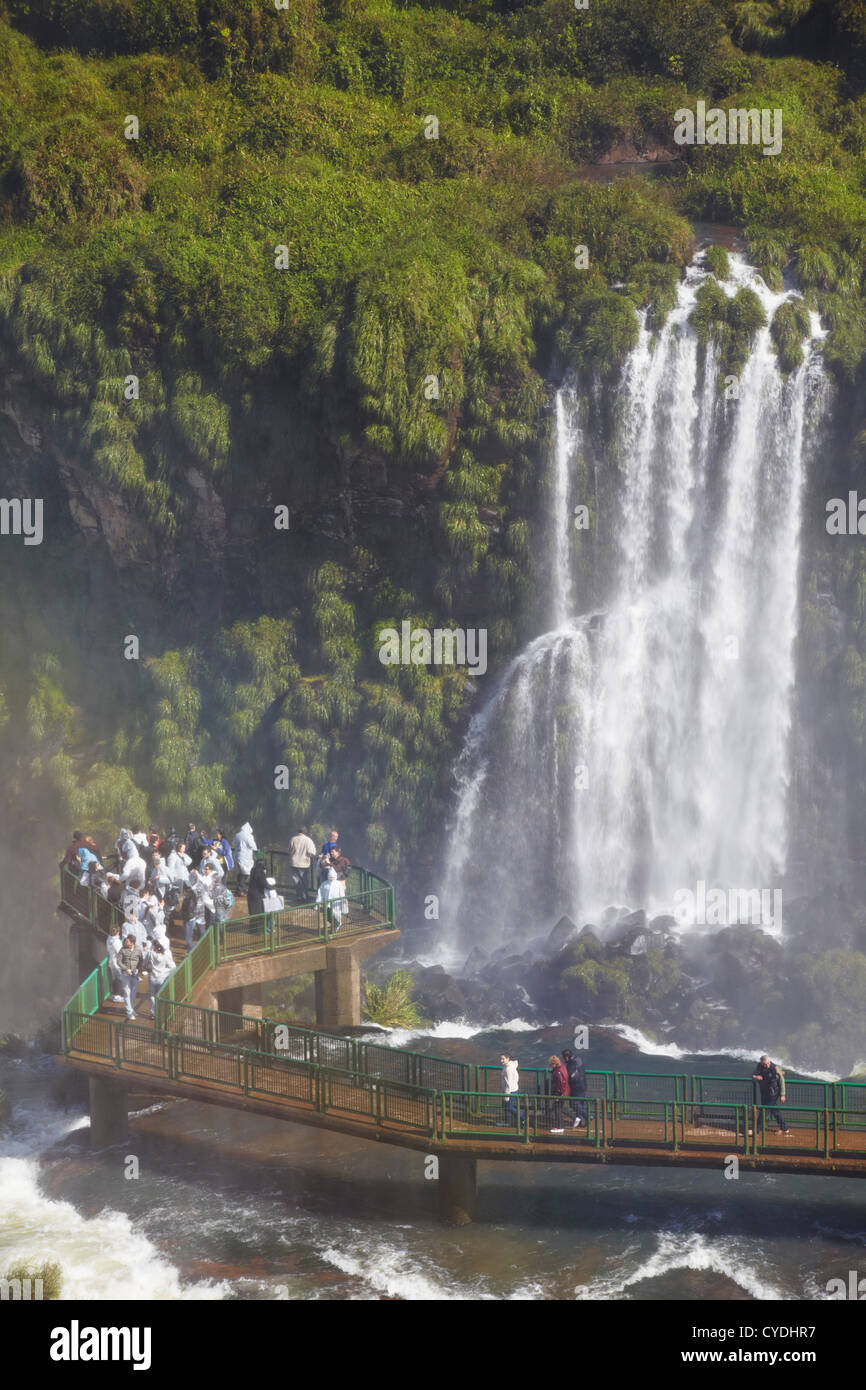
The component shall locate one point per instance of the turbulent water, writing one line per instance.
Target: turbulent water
(233, 1206)
(641, 743)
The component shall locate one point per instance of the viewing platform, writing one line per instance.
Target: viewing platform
(199, 1048)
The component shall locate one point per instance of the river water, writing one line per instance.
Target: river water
(233, 1206)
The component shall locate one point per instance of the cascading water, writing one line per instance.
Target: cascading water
(626, 754)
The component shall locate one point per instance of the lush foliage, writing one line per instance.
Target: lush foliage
(171, 383)
(390, 1004)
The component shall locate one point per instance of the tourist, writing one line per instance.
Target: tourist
(202, 910)
(210, 857)
(134, 871)
(194, 845)
(576, 1086)
(770, 1082)
(160, 880)
(70, 859)
(330, 852)
(224, 850)
(113, 945)
(159, 963)
(558, 1089)
(256, 889)
(510, 1086)
(302, 856)
(245, 849)
(178, 865)
(124, 845)
(332, 898)
(151, 914)
(88, 861)
(134, 926)
(129, 959)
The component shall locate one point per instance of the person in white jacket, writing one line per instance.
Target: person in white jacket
(159, 963)
(203, 911)
(113, 945)
(134, 872)
(245, 848)
(332, 894)
(510, 1087)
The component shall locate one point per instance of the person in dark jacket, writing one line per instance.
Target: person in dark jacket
(257, 888)
(576, 1086)
(194, 845)
(770, 1087)
(558, 1089)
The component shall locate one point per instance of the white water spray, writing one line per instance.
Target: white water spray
(624, 756)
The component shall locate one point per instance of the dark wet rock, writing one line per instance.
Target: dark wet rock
(561, 933)
(664, 923)
(474, 961)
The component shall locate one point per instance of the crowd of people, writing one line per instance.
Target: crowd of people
(160, 876)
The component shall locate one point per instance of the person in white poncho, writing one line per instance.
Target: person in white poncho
(332, 896)
(245, 848)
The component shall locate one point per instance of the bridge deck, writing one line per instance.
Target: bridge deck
(636, 1145)
(633, 1141)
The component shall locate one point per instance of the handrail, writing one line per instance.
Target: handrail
(443, 1115)
(404, 1100)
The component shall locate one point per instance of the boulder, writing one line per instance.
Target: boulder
(560, 934)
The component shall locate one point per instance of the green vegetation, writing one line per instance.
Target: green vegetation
(390, 1005)
(732, 322)
(410, 260)
(789, 328)
(718, 262)
(50, 1273)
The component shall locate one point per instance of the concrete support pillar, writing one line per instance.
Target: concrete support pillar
(231, 1001)
(456, 1188)
(338, 990)
(242, 999)
(251, 1006)
(109, 1113)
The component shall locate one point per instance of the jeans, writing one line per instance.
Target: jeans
(578, 1105)
(301, 883)
(769, 1108)
(511, 1110)
(155, 987)
(129, 985)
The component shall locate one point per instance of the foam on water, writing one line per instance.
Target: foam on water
(676, 1251)
(101, 1257)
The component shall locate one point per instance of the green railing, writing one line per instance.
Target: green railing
(243, 1056)
(87, 1000)
(368, 906)
(411, 1091)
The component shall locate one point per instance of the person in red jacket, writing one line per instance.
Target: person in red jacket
(558, 1088)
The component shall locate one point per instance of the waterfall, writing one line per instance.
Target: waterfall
(641, 744)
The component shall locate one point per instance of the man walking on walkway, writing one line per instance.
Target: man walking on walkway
(770, 1086)
(576, 1086)
(129, 964)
